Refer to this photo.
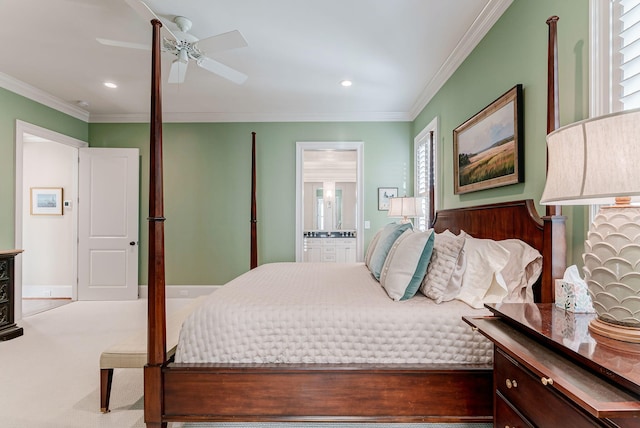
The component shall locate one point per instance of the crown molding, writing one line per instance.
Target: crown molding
(480, 27)
(14, 85)
(254, 117)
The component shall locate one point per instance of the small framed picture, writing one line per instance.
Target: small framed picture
(46, 201)
(384, 196)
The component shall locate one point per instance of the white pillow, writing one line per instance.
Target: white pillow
(444, 274)
(522, 270)
(406, 264)
(371, 248)
(482, 282)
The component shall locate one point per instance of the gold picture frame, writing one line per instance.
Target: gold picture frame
(46, 201)
(488, 149)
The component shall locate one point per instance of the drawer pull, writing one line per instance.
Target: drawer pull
(546, 381)
(511, 383)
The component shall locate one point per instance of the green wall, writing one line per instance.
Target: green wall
(207, 181)
(15, 107)
(515, 51)
(207, 165)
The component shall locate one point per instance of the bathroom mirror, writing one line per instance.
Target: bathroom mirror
(328, 184)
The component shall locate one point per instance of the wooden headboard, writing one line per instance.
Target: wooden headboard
(514, 219)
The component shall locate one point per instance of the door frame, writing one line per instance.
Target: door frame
(55, 137)
(301, 146)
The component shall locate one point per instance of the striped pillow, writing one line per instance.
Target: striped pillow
(406, 264)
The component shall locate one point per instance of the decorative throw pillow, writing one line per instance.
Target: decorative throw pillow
(371, 247)
(522, 270)
(388, 236)
(482, 282)
(406, 264)
(439, 283)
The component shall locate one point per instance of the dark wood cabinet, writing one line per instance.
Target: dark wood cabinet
(8, 327)
(549, 371)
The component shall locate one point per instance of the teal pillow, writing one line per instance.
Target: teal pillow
(406, 264)
(387, 237)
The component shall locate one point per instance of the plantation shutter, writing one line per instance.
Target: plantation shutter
(625, 58)
(424, 180)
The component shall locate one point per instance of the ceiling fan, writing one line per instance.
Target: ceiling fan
(187, 47)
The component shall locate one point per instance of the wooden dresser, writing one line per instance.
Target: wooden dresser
(549, 371)
(8, 328)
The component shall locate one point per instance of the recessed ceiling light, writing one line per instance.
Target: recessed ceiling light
(346, 83)
(110, 85)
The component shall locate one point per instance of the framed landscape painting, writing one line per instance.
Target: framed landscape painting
(488, 149)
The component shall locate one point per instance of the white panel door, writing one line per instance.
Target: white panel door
(108, 224)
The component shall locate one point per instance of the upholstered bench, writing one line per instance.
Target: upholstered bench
(132, 352)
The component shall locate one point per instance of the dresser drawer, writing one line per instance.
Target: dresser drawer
(506, 416)
(4, 290)
(345, 241)
(5, 314)
(4, 269)
(538, 403)
(331, 257)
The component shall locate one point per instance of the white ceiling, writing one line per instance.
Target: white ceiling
(397, 52)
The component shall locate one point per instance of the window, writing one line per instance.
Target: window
(625, 40)
(615, 55)
(424, 167)
(615, 58)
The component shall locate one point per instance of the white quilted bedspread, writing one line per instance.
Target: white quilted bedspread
(326, 313)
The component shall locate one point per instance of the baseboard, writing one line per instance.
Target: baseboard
(180, 291)
(46, 291)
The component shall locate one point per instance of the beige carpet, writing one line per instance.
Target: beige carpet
(49, 378)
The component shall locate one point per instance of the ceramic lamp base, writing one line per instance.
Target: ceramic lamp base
(612, 270)
(613, 331)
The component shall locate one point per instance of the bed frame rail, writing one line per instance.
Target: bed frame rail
(329, 393)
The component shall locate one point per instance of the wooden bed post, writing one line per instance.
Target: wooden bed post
(254, 219)
(553, 114)
(156, 316)
(555, 230)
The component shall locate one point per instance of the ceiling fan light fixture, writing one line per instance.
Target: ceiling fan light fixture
(346, 83)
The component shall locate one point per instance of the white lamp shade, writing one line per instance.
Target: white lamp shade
(593, 161)
(406, 207)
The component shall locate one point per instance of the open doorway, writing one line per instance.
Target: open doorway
(333, 173)
(46, 273)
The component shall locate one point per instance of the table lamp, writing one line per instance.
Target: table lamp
(597, 161)
(405, 207)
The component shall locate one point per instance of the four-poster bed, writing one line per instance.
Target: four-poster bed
(329, 392)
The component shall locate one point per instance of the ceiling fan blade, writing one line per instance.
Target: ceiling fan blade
(178, 71)
(149, 15)
(120, 44)
(225, 41)
(222, 70)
